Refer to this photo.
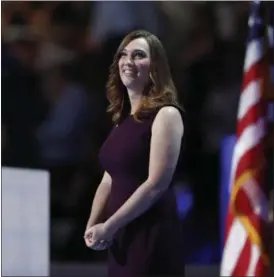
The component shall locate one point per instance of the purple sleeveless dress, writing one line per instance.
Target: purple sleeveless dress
(152, 244)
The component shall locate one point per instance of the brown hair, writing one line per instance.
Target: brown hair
(159, 92)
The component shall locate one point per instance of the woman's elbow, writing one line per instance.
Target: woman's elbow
(157, 188)
(160, 182)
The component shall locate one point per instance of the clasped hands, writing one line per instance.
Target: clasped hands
(98, 237)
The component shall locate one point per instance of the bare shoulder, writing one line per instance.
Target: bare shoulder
(166, 139)
(169, 113)
(169, 116)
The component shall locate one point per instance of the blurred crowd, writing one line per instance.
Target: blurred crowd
(55, 61)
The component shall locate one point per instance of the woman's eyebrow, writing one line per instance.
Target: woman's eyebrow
(135, 49)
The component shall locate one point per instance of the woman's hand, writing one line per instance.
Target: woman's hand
(98, 237)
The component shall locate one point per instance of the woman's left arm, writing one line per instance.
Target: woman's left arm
(167, 132)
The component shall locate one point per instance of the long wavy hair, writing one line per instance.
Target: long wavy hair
(159, 91)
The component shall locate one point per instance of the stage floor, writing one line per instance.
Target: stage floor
(99, 270)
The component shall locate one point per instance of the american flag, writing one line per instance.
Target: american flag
(245, 252)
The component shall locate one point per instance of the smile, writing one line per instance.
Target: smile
(128, 72)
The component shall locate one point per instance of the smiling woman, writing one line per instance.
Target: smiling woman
(142, 230)
(134, 62)
(143, 57)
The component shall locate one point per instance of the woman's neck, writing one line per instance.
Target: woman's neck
(135, 100)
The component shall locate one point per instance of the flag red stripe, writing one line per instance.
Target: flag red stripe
(249, 159)
(241, 268)
(255, 72)
(261, 269)
(253, 115)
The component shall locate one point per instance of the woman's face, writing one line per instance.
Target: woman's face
(134, 64)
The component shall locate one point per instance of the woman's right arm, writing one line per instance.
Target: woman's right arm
(100, 200)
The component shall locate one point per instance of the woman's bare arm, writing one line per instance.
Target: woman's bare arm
(100, 200)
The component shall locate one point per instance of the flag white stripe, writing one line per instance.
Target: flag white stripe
(250, 97)
(250, 137)
(257, 198)
(235, 243)
(254, 53)
(254, 258)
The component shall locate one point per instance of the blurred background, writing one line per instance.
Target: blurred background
(55, 61)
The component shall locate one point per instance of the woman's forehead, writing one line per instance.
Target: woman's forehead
(138, 43)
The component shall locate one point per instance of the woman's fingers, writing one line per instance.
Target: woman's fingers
(88, 236)
(88, 241)
(92, 241)
(89, 232)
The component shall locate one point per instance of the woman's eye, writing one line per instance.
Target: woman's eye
(139, 55)
(122, 54)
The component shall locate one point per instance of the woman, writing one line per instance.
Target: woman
(142, 230)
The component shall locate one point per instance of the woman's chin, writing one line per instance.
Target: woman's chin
(132, 83)
(129, 84)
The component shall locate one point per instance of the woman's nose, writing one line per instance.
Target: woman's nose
(129, 60)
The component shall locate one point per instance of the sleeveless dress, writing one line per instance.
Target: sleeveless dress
(152, 244)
